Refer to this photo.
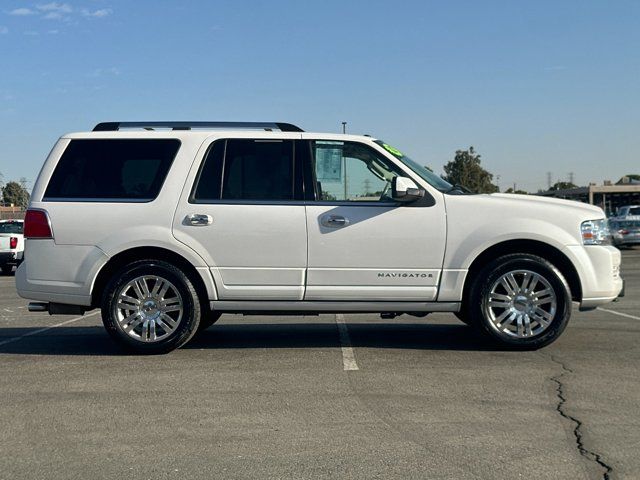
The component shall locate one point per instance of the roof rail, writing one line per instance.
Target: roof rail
(114, 126)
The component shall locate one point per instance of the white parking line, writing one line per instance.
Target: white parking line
(619, 313)
(40, 330)
(348, 355)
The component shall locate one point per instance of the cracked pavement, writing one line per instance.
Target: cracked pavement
(267, 397)
(578, 426)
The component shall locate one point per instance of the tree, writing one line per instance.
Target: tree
(562, 186)
(15, 194)
(465, 170)
(630, 178)
(328, 197)
(519, 192)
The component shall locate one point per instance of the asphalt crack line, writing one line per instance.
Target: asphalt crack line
(577, 430)
(40, 330)
(348, 356)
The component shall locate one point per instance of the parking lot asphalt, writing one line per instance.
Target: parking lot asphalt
(330, 396)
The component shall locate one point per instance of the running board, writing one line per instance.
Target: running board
(266, 306)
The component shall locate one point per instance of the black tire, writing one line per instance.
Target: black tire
(461, 315)
(208, 318)
(477, 308)
(188, 322)
(7, 269)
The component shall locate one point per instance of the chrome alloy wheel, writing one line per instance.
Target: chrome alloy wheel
(149, 308)
(521, 304)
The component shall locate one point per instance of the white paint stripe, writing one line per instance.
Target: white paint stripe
(40, 330)
(619, 313)
(348, 355)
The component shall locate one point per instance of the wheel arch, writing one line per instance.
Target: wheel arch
(533, 247)
(201, 278)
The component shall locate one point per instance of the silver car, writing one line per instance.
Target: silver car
(625, 232)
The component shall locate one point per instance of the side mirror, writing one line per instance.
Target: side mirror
(404, 189)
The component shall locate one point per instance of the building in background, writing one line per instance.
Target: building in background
(608, 196)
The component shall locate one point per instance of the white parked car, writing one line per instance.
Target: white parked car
(166, 225)
(11, 244)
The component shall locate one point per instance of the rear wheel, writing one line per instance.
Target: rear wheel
(521, 301)
(150, 307)
(7, 269)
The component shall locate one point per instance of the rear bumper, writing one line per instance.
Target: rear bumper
(10, 258)
(58, 273)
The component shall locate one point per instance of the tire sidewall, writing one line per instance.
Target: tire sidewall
(191, 305)
(494, 270)
(208, 319)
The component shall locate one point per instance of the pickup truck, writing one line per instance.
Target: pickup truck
(11, 244)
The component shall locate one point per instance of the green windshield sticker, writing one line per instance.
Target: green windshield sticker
(392, 151)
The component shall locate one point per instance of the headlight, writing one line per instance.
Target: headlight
(595, 232)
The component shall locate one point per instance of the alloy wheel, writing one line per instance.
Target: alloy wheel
(521, 304)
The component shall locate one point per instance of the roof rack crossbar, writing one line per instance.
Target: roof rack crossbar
(114, 126)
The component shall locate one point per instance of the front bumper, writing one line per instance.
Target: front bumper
(599, 270)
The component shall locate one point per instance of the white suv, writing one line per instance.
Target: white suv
(166, 225)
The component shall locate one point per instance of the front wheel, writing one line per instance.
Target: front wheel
(462, 316)
(521, 301)
(208, 319)
(151, 307)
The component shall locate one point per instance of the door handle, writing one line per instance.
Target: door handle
(335, 221)
(199, 219)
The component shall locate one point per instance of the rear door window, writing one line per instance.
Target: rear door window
(248, 170)
(112, 170)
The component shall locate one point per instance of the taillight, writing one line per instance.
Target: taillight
(13, 243)
(623, 232)
(36, 224)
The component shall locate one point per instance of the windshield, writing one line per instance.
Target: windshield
(10, 227)
(634, 211)
(431, 178)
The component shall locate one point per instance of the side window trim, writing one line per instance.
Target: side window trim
(196, 181)
(223, 167)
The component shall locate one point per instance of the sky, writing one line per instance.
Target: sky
(535, 87)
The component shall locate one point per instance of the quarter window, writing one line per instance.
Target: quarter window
(112, 170)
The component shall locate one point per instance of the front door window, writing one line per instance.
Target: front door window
(351, 172)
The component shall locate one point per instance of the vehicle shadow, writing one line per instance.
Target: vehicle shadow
(94, 341)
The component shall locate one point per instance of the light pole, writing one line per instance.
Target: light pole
(344, 127)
